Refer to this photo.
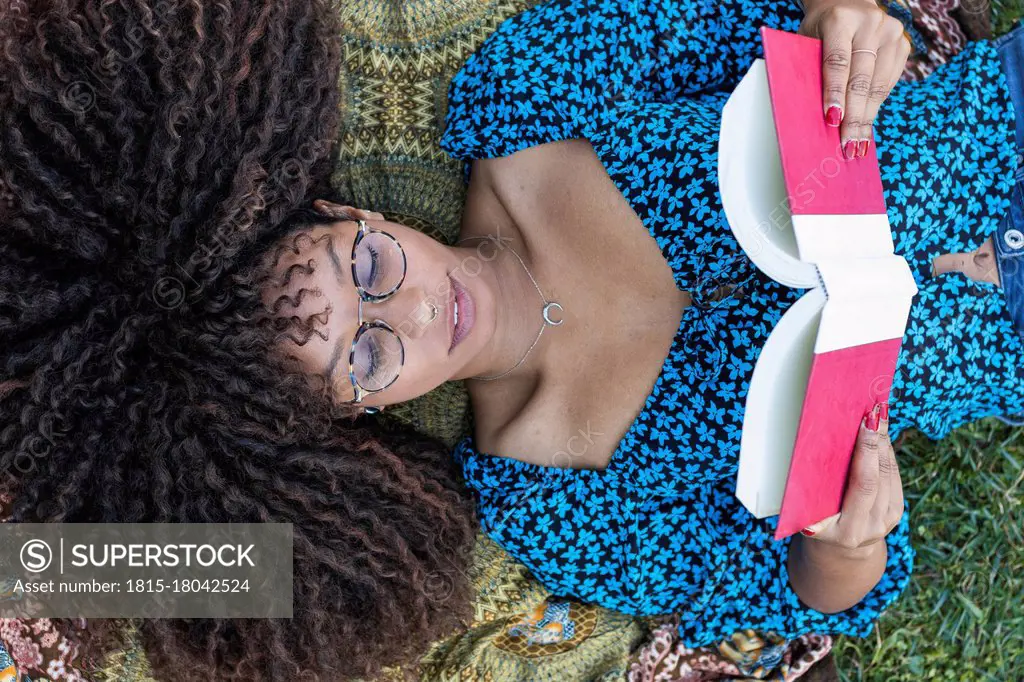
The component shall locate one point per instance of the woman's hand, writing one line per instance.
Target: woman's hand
(873, 504)
(864, 52)
(839, 560)
(333, 210)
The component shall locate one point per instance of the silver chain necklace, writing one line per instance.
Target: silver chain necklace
(545, 313)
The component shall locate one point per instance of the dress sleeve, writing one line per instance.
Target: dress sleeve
(569, 527)
(746, 579)
(559, 69)
(689, 550)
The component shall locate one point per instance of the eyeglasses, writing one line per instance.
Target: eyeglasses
(378, 270)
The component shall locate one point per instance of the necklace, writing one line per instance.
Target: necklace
(545, 312)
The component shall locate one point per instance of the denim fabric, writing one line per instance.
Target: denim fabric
(1009, 237)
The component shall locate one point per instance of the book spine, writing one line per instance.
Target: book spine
(867, 300)
(861, 278)
(821, 281)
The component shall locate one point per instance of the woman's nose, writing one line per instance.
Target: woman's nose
(411, 312)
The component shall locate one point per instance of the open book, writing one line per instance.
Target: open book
(810, 219)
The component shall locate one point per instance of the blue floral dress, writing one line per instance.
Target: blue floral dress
(660, 530)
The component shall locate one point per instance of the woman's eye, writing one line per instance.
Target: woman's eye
(374, 359)
(374, 267)
(368, 268)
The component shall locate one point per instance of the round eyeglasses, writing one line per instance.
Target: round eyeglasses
(378, 270)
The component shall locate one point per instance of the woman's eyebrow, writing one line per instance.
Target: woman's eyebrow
(333, 255)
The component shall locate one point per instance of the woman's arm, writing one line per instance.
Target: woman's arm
(830, 578)
(836, 562)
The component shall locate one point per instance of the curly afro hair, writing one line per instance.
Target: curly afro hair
(151, 155)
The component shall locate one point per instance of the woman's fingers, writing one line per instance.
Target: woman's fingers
(329, 208)
(856, 128)
(820, 527)
(873, 502)
(892, 59)
(341, 212)
(896, 501)
(864, 51)
(835, 51)
(853, 527)
(864, 481)
(886, 473)
(893, 511)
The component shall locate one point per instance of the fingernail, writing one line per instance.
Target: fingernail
(863, 150)
(883, 413)
(834, 116)
(807, 532)
(871, 421)
(850, 149)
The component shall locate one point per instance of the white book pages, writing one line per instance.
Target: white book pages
(822, 237)
(751, 185)
(869, 300)
(859, 290)
(774, 402)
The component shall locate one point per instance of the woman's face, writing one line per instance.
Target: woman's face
(430, 268)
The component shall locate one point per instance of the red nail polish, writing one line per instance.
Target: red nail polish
(808, 533)
(850, 149)
(863, 150)
(883, 413)
(834, 116)
(871, 421)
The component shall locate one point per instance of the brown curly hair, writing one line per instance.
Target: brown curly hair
(151, 154)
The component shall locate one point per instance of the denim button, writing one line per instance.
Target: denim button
(1014, 238)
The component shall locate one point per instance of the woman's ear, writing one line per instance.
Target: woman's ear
(345, 212)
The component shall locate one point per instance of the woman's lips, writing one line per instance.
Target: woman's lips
(463, 313)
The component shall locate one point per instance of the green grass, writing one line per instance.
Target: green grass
(962, 617)
(1005, 13)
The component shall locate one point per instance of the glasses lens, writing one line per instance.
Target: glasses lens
(378, 358)
(380, 265)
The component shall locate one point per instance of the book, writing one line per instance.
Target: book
(811, 219)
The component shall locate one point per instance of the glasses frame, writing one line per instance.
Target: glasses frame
(366, 325)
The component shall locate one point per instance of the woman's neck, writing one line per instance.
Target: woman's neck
(494, 239)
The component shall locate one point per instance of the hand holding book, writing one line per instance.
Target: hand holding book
(841, 558)
(808, 219)
(873, 503)
(864, 52)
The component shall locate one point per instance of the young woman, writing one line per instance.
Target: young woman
(609, 323)
(148, 152)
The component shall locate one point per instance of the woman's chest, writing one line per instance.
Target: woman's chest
(644, 361)
(622, 309)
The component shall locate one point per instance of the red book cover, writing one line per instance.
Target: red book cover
(843, 386)
(819, 180)
(854, 359)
